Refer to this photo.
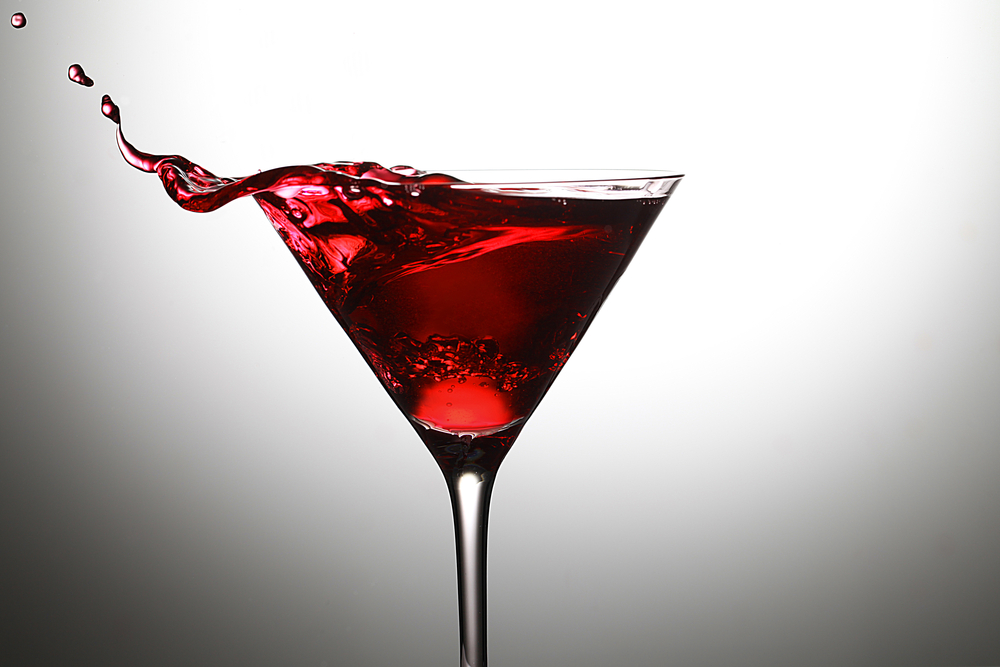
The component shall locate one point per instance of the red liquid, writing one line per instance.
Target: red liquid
(465, 302)
(18, 20)
(77, 75)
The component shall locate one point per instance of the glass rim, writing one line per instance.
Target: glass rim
(565, 184)
(542, 177)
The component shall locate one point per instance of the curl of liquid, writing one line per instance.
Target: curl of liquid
(18, 20)
(194, 188)
(77, 75)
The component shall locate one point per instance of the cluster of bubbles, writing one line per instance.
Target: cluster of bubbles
(442, 358)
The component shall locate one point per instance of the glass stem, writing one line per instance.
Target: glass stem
(470, 487)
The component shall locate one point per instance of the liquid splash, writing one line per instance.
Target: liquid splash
(465, 299)
(363, 202)
(196, 189)
(18, 20)
(77, 75)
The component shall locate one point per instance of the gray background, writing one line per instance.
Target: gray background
(778, 445)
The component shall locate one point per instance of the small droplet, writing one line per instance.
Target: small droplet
(448, 404)
(451, 389)
(18, 20)
(110, 109)
(77, 75)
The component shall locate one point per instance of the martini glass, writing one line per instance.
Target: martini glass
(466, 293)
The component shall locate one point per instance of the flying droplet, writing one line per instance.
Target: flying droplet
(110, 109)
(18, 20)
(77, 75)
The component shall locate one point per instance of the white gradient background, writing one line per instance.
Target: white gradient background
(777, 446)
